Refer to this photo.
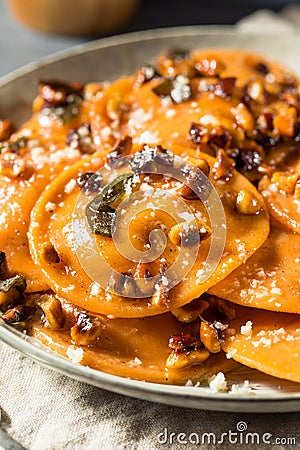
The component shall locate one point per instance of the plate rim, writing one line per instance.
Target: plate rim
(139, 389)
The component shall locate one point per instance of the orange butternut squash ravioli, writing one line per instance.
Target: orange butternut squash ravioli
(51, 232)
(270, 279)
(115, 262)
(158, 349)
(56, 136)
(265, 340)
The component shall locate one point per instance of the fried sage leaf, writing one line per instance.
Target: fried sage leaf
(100, 212)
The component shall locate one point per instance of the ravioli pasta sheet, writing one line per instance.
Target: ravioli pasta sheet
(150, 226)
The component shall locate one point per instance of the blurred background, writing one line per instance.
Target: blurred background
(31, 29)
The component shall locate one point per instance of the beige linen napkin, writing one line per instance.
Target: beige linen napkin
(44, 410)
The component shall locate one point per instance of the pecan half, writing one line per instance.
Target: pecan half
(223, 166)
(87, 329)
(53, 311)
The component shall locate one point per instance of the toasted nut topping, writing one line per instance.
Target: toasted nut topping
(145, 74)
(209, 337)
(52, 309)
(184, 341)
(285, 121)
(87, 329)
(18, 314)
(49, 253)
(189, 234)
(53, 95)
(223, 167)
(179, 360)
(285, 181)
(219, 312)
(11, 165)
(6, 129)
(247, 203)
(251, 155)
(190, 312)
(255, 90)
(200, 164)
(210, 67)
(89, 182)
(122, 148)
(224, 87)
(141, 274)
(160, 298)
(243, 117)
(81, 139)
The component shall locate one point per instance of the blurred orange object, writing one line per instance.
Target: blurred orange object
(74, 17)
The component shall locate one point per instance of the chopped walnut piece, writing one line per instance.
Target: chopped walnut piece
(184, 341)
(219, 311)
(224, 87)
(146, 73)
(285, 181)
(243, 117)
(160, 298)
(122, 148)
(251, 155)
(6, 129)
(285, 121)
(223, 167)
(200, 164)
(180, 359)
(262, 68)
(247, 203)
(190, 312)
(195, 182)
(187, 349)
(87, 329)
(49, 253)
(81, 139)
(53, 94)
(89, 182)
(256, 91)
(209, 337)
(198, 133)
(188, 235)
(141, 275)
(11, 165)
(210, 67)
(18, 314)
(53, 311)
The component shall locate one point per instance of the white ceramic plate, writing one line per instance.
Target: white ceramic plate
(108, 59)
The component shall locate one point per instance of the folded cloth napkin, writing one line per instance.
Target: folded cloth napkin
(44, 410)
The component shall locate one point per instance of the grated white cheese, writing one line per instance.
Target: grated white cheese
(75, 354)
(69, 187)
(244, 389)
(218, 383)
(246, 329)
